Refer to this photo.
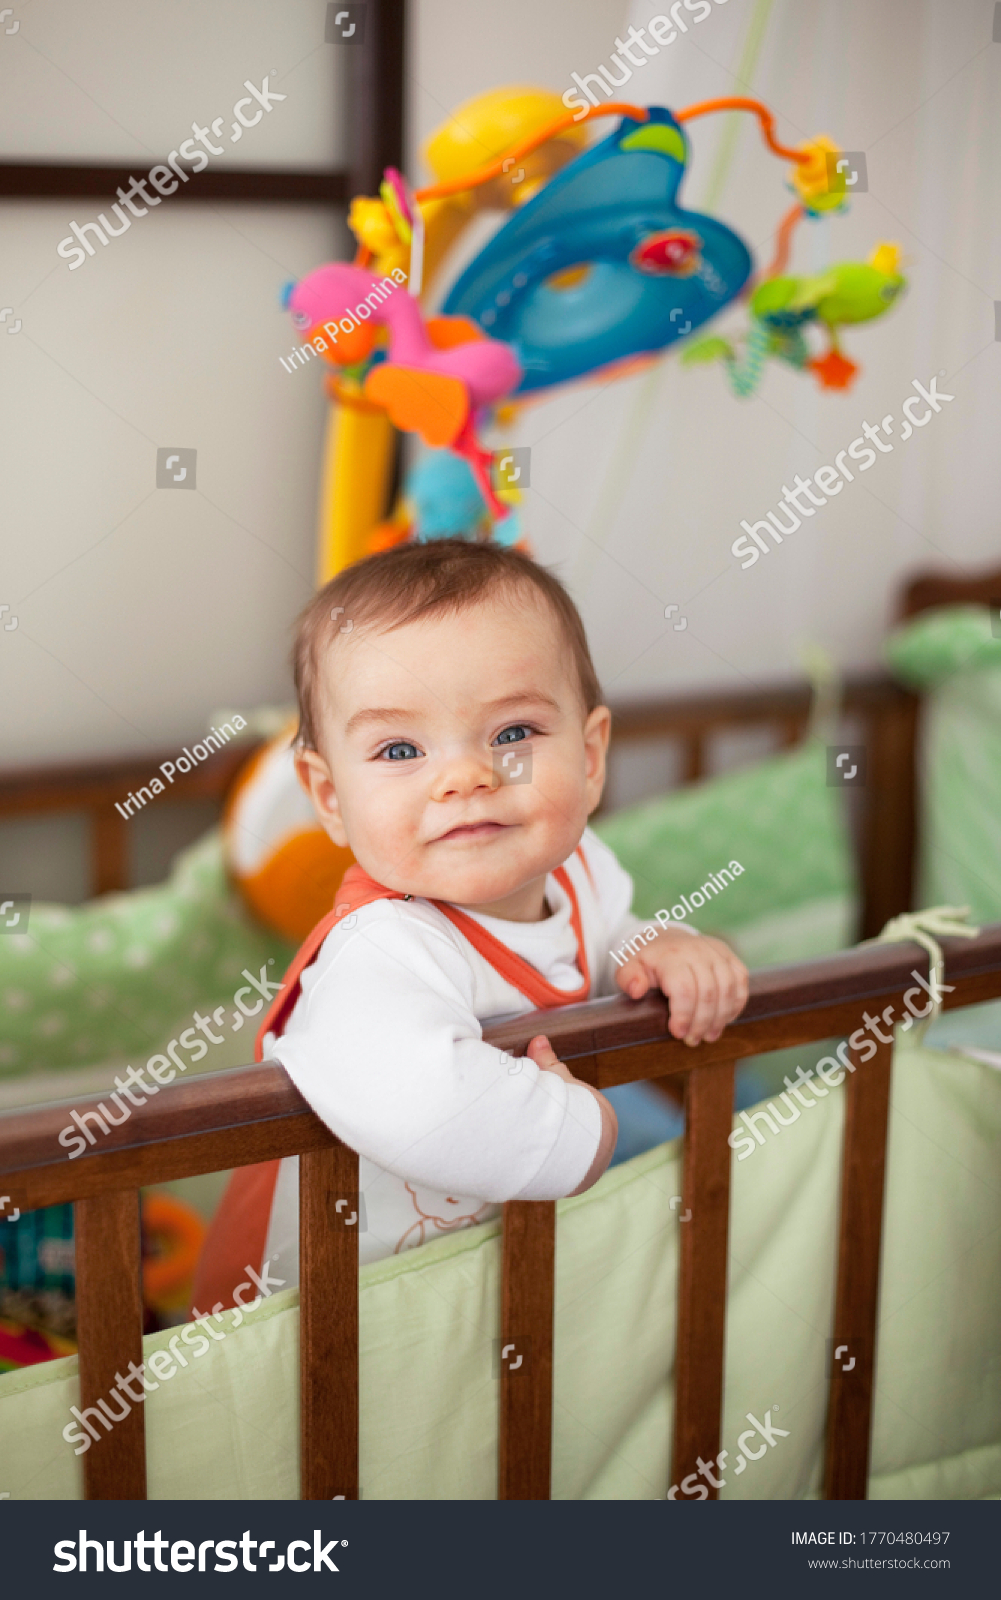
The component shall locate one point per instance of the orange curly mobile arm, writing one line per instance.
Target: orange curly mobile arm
(738, 103)
(493, 169)
(783, 239)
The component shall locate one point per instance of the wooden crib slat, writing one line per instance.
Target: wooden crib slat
(698, 1372)
(109, 850)
(109, 1333)
(694, 756)
(849, 1417)
(329, 1224)
(526, 1354)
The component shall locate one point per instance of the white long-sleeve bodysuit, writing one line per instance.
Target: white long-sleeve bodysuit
(386, 1044)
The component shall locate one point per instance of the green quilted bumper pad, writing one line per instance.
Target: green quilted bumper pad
(117, 976)
(781, 822)
(954, 656)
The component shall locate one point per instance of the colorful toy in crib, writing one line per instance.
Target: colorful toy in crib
(37, 1279)
(37, 1311)
(781, 306)
(434, 378)
(172, 1237)
(284, 865)
(441, 499)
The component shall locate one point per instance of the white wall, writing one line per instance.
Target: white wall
(141, 609)
(639, 488)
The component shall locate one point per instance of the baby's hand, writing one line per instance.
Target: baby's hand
(702, 978)
(542, 1053)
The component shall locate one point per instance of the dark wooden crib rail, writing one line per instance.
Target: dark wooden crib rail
(94, 788)
(254, 1114)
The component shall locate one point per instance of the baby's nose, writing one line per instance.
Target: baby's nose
(462, 774)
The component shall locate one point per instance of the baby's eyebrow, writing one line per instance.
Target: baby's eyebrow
(523, 697)
(362, 719)
(376, 714)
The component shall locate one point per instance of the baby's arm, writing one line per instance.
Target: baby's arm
(387, 1049)
(542, 1053)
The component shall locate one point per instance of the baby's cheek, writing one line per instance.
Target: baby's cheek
(557, 793)
(379, 824)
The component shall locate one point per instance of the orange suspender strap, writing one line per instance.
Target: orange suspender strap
(514, 969)
(358, 889)
(237, 1235)
(236, 1239)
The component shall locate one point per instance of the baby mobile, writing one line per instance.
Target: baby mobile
(599, 269)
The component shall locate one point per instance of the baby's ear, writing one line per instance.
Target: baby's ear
(597, 730)
(314, 775)
(302, 760)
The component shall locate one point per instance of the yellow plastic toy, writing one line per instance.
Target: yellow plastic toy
(358, 449)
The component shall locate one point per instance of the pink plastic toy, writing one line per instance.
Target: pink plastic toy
(437, 377)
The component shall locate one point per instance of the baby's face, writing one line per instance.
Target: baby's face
(454, 757)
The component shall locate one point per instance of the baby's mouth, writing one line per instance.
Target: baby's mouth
(472, 830)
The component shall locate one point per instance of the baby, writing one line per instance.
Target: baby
(452, 735)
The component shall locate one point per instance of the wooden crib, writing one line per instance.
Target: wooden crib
(255, 1114)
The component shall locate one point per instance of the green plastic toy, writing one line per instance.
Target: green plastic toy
(849, 292)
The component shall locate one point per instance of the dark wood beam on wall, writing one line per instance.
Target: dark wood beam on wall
(376, 68)
(375, 79)
(30, 180)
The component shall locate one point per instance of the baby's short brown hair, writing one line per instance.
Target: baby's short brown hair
(424, 580)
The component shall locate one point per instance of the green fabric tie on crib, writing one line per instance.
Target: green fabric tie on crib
(926, 928)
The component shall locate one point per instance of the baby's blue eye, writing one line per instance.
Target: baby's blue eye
(514, 734)
(401, 751)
